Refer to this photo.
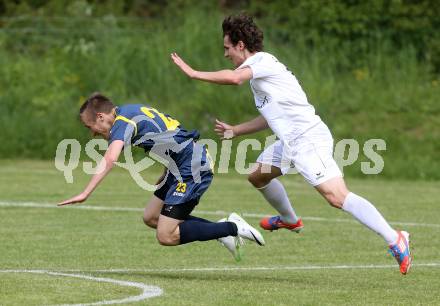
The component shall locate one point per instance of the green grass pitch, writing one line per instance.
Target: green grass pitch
(334, 261)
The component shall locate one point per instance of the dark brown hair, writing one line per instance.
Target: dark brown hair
(96, 103)
(242, 27)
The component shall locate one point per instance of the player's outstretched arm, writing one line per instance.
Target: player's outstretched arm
(224, 77)
(226, 131)
(106, 164)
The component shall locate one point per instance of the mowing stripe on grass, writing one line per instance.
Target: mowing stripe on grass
(147, 291)
(201, 212)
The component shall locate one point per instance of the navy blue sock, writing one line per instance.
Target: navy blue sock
(192, 230)
(193, 218)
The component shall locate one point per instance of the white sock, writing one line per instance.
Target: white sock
(368, 215)
(276, 195)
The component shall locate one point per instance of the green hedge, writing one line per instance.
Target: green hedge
(363, 87)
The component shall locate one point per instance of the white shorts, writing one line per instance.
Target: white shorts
(311, 154)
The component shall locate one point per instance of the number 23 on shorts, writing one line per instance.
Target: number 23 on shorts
(181, 187)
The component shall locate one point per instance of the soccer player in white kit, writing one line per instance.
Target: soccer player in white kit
(304, 139)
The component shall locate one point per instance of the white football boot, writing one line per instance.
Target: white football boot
(246, 231)
(233, 244)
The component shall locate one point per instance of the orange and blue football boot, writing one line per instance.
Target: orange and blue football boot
(274, 223)
(401, 252)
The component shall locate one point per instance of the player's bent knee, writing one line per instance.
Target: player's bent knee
(166, 239)
(335, 200)
(167, 235)
(161, 238)
(163, 241)
(334, 203)
(257, 180)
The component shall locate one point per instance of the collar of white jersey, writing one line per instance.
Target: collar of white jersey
(252, 59)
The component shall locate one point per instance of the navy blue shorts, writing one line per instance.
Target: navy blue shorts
(174, 192)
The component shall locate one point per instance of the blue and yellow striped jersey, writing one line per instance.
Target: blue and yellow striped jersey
(144, 126)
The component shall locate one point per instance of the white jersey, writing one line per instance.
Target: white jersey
(279, 97)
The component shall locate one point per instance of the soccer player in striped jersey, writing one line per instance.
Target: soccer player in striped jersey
(188, 175)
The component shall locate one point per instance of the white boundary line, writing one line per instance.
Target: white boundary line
(67, 272)
(256, 269)
(147, 291)
(201, 212)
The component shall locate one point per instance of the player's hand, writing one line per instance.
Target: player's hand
(224, 130)
(182, 65)
(76, 199)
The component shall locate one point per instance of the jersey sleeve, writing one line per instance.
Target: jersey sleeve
(261, 67)
(122, 130)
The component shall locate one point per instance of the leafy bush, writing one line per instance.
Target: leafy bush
(361, 84)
